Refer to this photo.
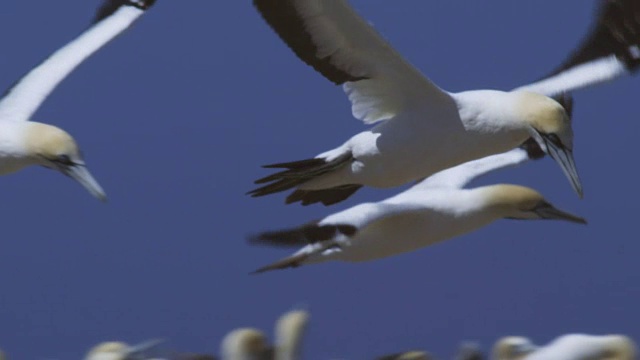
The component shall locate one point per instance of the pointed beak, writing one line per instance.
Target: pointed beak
(564, 158)
(551, 213)
(79, 173)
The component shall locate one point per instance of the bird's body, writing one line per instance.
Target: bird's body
(434, 210)
(396, 152)
(23, 142)
(587, 347)
(420, 128)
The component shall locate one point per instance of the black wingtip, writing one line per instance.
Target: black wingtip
(298, 172)
(325, 196)
(111, 6)
(309, 233)
(286, 19)
(616, 31)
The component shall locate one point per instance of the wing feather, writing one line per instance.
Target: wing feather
(332, 38)
(610, 50)
(26, 96)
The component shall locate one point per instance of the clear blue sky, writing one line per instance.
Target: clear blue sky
(176, 116)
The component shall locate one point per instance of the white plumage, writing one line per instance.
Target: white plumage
(24, 143)
(434, 210)
(420, 128)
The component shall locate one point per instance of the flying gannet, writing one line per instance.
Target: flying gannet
(23, 142)
(436, 209)
(420, 128)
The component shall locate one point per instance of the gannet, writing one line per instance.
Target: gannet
(469, 351)
(513, 348)
(409, 355)
(420, 128)
(23, 142)
(434, 210)
(289, 332)
(587, 347)
(246, 344)
(116, 350)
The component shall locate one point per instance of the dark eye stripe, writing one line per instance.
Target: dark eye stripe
(554, 139)
(63, 160)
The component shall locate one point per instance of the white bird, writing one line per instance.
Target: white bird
(246, 344)
(420, 128)
(434, 210)
(115, 350)
(513, 348)
(289, 331)
(408, 355)
(23, 142)
(587, 347)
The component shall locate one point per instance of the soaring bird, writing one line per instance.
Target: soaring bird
(419, 127)
(23, 142)
(436, 209)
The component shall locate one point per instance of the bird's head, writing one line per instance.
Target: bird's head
(111, 350)
(246, 343)
(523, 203)
(54, 148)
(549, 124)
(513, 348)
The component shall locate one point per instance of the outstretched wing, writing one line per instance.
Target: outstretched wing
(611, 50)
(332, 38)
(459, 176)
(26, 96)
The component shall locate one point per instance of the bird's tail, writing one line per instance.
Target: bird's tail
(292, 261)
(314, 236)
(298, 173)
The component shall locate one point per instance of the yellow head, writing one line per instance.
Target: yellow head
(289, 332)
(523, 203)
(245, 343)
(512, 348)
(108, 351)
(54, 148)
(550, 126)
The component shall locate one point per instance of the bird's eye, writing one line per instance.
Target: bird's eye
(63, 159)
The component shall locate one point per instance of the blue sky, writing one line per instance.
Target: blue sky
(175, 118)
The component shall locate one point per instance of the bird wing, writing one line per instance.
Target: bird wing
(610, 50)
(26, 96)
(459, 176)
(332, 38)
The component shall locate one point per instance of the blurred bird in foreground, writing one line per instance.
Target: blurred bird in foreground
(114, 350)
(246, 344)
(587, 347)
(513, 348)
(409, 355)
(289, 333)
